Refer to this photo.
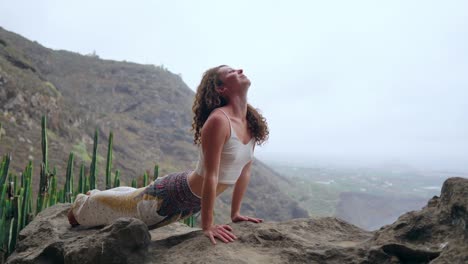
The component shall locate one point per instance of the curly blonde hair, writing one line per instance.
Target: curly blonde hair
(208, 99)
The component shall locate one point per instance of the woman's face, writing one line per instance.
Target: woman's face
(233, 78)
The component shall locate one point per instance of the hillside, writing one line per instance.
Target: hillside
(147, 107)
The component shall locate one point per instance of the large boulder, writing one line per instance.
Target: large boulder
(50, 239)
(440, 229)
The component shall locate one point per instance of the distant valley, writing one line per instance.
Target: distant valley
(366, 197)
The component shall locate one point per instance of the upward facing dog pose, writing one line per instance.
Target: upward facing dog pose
(226, 130)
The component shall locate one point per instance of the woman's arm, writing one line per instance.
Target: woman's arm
(214, 134)
(239, 189)
(238, 194)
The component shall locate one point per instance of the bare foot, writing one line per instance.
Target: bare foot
(72, 219)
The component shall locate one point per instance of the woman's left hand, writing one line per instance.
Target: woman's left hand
(240, 218)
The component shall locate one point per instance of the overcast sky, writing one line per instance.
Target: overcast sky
(356, 82)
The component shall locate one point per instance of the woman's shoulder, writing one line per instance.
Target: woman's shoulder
(218, 115)
(216, 123)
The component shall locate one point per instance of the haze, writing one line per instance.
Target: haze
(342, 82)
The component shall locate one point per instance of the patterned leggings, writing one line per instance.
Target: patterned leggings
(164, 201)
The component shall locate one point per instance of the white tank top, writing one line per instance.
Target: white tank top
(234, 156)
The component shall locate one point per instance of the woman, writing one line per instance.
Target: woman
(226, 130)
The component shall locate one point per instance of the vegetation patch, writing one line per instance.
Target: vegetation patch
(80, 151)
(52, 89)
(16, 200)
(17, 59)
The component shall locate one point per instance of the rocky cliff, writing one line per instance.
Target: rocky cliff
(436, 234)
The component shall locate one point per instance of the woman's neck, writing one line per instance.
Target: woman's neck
(238, 107)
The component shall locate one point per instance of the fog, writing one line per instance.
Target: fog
(340, 82)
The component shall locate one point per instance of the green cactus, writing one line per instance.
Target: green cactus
(44, 181)
(55, 199)
(81, 181)
(23, 177)
(16, 201)
(24, 205)
(117, 179)
(13, 226)
(2, 163)
(5, 167)
(109, 161)
(11, 186)
(26, 196)
(44, 144)
(15, 190)
(3, 233)
(3, 197)
(20, 210)
(156, 172)
(190, 221)
(60, 196)
(53, 190)
(72, 188)
(42, 190)
(145, 179)
(86, 185)
(93, 170)
(7, 226)
(68, 188)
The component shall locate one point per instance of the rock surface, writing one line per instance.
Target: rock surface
(436, 234)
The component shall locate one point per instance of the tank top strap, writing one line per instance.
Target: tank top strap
(230, 125)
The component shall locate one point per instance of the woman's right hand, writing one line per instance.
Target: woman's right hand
(221, 232)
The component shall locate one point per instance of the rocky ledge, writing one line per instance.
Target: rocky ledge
(438, 233)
